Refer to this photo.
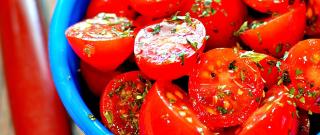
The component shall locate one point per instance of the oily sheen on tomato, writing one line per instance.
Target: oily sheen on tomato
(267, 66)
(103, 42)
(225, 89)
(277, 34)
(167, 110)
(169, 49)
(276, 115)
(121, 102)
(303, 71)
(156, 8)
(221, 19)
(271, 6)
(119, 7)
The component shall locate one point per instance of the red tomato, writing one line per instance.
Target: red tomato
(119, 7)
(313, 18)
(166, 111)
(267, 66)
(271, 6)
(96, 79)
(169, 49)
(276, 115)
(303, 71)
(121, 101)
(104, 42)
(225, 89)
(221, 19)
(277, 35)
(156, 8)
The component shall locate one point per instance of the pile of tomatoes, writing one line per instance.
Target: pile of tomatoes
(202, 66)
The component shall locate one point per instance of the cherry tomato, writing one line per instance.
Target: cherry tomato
(156, 8)
(313, 18)
(119, 7)
(221, 19)
(225, 89)
(302, 74)
(271, 6)
(267, 66)
(276, 35)
(276, 115)
(167, 110)
(104, 42)
(121, 101)
(96, 79)
(169, 49)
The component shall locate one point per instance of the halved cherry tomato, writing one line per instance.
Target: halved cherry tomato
(104, 42)
(271, 6)
(313, 18)
(119, 7)
(276, 115)
(156, 8)
(169, 49)
(225, 89)
(303, 71)
(167, 111)
(277, 35)
(221, 19)
(267, 66)
(96, 79)
(121, 101)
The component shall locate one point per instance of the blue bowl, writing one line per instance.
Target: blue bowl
(64, 65)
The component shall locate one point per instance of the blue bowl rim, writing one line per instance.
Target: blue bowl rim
(68, 12)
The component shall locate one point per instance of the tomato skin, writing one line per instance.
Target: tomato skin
(95, 41)
(220, 26)
(277, 115)
(275, 44)
(166, 110)
(221, 96)
(270, 6)
(302, 66)
(96, 79)
(121, 101)
(35, 106)
(156, 8)
(120, 7)
(313, 18)
(168, 55)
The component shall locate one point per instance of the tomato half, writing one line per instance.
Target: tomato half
(119, 7)
(277, 35)
(167, 110)
(168, 50)
(104, 42)
(96, 79)
(121, 101)
(221, 19)
(276, 115)
(313, 18)
(271, 6)
(225, 89)
(303, 71)
(267, 66)
(156, 8)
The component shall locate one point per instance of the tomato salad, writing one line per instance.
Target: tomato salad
(202, 66)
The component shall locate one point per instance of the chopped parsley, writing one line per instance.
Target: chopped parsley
(182, 57)
(222, 110)
(299, 72)
(156, 29)
(243, 28)
(279, 48)
(193, 44)
(232, 65)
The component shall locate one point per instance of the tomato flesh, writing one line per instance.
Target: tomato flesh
(169, 49)
(166, 110)
(313, 18)
(224, 88)
(121, 102)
